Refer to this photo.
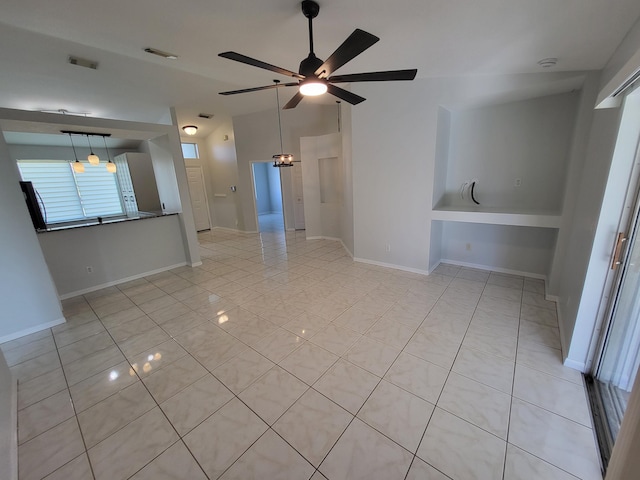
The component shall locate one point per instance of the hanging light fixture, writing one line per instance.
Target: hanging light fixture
(281, 159)
(92, 158)
(190, 129)
(111, 167)
(77, 166)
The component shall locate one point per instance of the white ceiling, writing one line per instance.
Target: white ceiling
(439, 38)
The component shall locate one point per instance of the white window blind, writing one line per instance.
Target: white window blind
(68, 196)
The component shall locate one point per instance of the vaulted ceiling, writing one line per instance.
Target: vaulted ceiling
(440, 38)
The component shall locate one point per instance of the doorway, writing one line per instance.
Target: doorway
(199, 202)
(267, 191)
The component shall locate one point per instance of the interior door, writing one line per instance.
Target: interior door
(198, 194)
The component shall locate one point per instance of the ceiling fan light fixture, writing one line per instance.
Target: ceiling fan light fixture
(190, 129)
(313, 87)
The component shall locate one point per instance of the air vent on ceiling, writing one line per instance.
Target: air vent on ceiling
(160, 53)
(205, 115)
(82, 62)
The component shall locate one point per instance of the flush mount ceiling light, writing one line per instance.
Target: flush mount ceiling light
(93, 158)
(190, 129)
(160, 53)
(281, 159)
(548, 62)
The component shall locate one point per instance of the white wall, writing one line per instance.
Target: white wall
(610, 191)
(116, 252)
(322, 218)
(173, 187)
(395, 134)
(44, 152)
(346, 231)
(497, 144)
(223, 170)
(257, 139)
(573, 266)
(28, 296)
(499, 247)
(577, 156)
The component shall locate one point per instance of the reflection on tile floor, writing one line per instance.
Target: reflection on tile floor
(282, 358)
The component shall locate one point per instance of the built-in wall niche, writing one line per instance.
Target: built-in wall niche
(516, 153)
(330, 177)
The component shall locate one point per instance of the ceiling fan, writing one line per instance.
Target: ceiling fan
(314, 74)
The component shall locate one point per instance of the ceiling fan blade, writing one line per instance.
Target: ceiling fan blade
(345, 95)
(390, 75)
(257, 63)
(353, 46)
(256, 89)
(295, 100)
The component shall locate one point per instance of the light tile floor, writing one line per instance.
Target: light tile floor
(282, 358)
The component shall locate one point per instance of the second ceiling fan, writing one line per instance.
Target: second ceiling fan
(314, 75)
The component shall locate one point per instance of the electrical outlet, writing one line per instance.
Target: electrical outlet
(468, 247)
(387, 248)
(89, 269)
(518, 182)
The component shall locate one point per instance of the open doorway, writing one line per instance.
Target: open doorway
(268, 197)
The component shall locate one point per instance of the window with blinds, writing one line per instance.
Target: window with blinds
(68, 196)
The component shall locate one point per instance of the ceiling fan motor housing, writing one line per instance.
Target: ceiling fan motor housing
(310, 9)
(309, 65)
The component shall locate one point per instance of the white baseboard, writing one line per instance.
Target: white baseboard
(580, 366)
(233, 230)
(564, 348)
(194, 264)
(392, 265)
(121, 280)
(508, 271)
(30, 330)
(320, 237)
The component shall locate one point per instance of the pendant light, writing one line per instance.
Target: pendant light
(77, 166)
(111, 167)
(92, 158)
(281, 159)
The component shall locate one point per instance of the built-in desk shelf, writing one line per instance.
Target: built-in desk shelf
(498, 216)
